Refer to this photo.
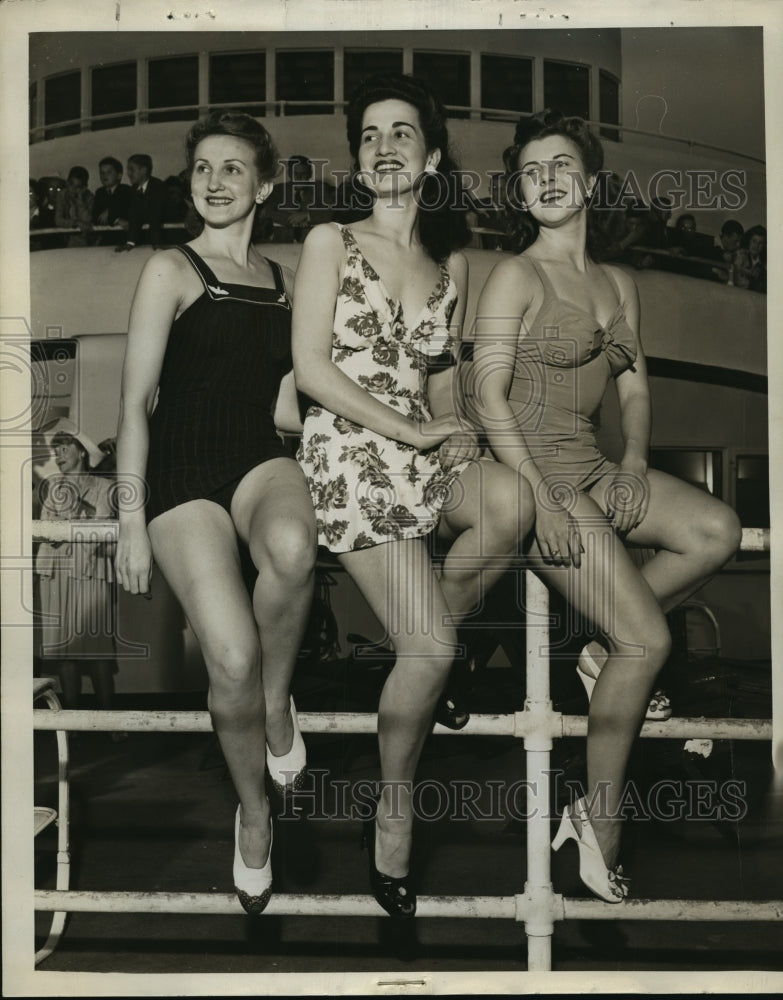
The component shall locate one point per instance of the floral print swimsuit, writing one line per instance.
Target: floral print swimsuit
(368, 489)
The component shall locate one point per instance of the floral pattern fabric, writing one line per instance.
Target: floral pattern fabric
(368, 489)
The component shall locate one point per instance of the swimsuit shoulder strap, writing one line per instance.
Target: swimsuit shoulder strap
(543, 277)
(202, 269)
(277, 274)
(612, 280)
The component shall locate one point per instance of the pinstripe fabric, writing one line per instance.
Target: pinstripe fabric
(224, 360)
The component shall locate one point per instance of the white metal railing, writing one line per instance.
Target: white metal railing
(538, 906)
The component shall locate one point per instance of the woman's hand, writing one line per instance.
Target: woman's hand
(558, 536)
(133, 562)
(628, 496)
(463, 446)
(430, 433)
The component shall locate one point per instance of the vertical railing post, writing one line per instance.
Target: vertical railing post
(537, 718)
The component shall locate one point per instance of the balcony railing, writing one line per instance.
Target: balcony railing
(283, 108)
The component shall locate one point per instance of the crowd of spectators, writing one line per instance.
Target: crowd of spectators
(644, 238)
(123, 215)
(151, 210)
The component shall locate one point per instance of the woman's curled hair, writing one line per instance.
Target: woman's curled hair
(236, 125)
(443, 224)
(522, 227)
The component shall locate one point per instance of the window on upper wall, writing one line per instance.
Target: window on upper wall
(33, 98)
(506, 84)
(751, 490)
(238, 79)
(701, 467)
(359, 63)
(448, 73)
(567, 88)
(113, 89)
(173, 83)
(62, 102)
(53, 369)
(306, 75)
(751, 498)
(609, 104)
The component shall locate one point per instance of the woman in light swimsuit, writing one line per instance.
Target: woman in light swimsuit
(553, 327)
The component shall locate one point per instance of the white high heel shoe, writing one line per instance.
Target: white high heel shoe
(253, 886)
(587, 670)
(288, 771)
(607, 883)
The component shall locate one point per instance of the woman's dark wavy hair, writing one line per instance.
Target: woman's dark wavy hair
(443, 225)
(522, 227)
(237, 125)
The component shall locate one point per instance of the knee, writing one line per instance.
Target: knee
(234, 669)
(289, 545)
(656, 642)
(509, 518)
(436, 649)
(648, 643)
(719, 535)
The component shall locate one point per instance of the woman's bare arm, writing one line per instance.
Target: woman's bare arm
(157, 298)
(315, 296)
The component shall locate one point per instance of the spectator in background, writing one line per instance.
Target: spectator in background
(77, 595)
(176, 209)
(112, 201)
(73, 208)
(659, 217)
(640, 236)
(48, 189)
(728, 251)
(681, 235)
(147, 201)
(35, 211)
(753, 262)
(686, 223)
(299, 202)
(35, 215)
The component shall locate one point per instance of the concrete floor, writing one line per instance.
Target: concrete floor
(156, 812)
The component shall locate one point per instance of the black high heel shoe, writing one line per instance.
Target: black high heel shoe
(452, 709)
(395, 895)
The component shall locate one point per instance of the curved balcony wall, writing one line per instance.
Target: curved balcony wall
(623, 78)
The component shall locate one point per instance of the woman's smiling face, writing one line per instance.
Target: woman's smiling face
(392, 150)
(553, 180)
(225, 184)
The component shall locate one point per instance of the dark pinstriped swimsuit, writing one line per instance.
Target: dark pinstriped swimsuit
(213, 422)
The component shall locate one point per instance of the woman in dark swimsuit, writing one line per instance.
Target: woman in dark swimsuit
(553, 326)
(210, 335)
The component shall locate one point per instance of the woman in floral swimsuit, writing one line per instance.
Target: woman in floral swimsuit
(378, 312)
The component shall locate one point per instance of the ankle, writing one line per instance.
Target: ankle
(254, 816)
(278, 708)
(392, 851)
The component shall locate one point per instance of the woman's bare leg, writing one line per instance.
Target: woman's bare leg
(400, 585)
(274, 515)
(694, 533)
(610, 591)
(195, 546)
(492, 513)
